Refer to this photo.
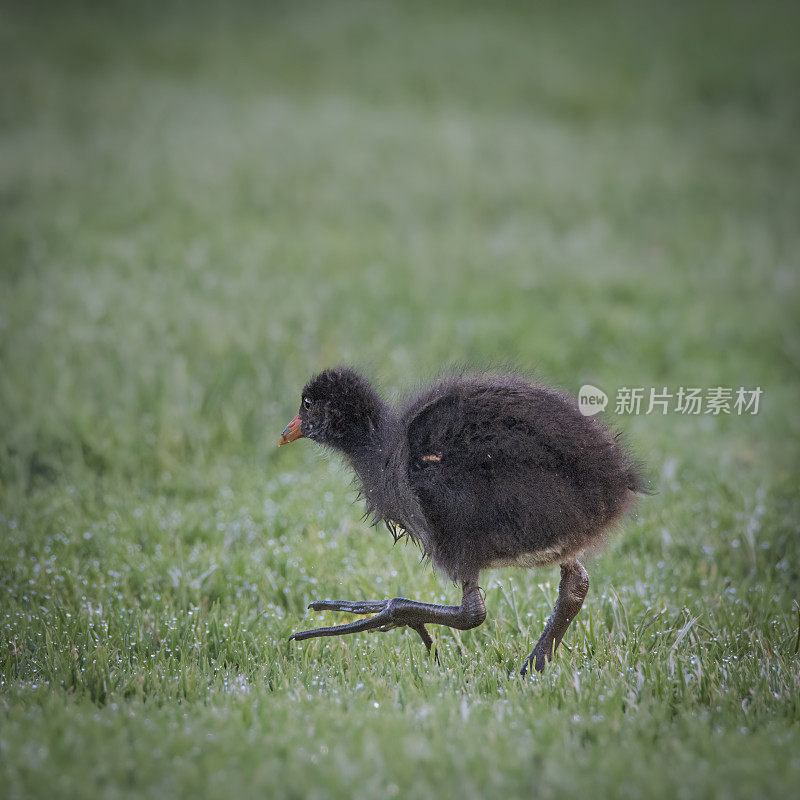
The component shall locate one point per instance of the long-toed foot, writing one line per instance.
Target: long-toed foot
(397, 612)
(386, 616)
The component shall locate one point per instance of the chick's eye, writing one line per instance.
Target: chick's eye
(306, 402)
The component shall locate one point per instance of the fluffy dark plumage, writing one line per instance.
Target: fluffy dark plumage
(480, 470)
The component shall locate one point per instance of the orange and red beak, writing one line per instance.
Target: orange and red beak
(291, 432)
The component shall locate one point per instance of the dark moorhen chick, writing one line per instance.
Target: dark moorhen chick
(481, 471)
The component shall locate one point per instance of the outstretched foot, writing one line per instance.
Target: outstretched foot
(382, 609)
(397, 612)
(384, 612)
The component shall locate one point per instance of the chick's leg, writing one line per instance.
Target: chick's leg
(571, 593)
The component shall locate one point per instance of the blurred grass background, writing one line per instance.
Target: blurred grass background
(202, 205)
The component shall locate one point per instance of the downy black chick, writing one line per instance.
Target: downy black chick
(480, 471)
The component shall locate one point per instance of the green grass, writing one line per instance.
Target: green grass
(199, 208)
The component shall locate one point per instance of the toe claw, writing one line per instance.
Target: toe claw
(536, 660)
